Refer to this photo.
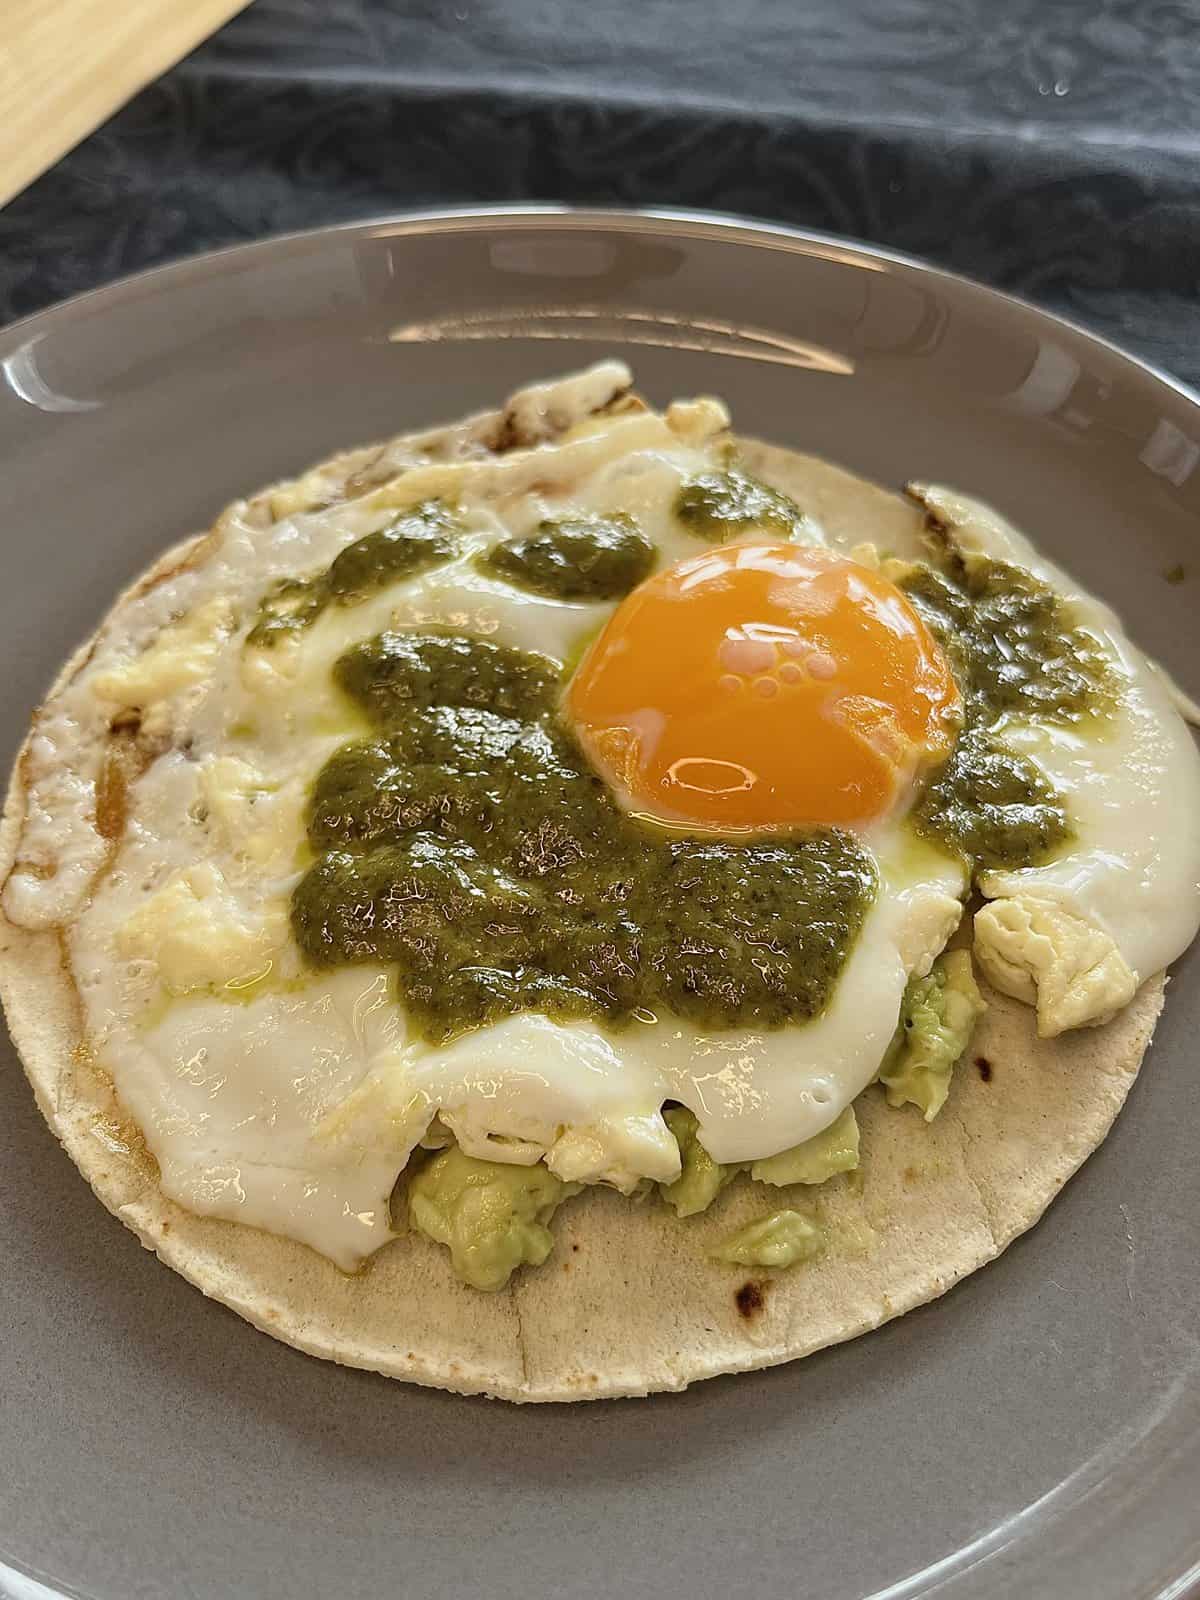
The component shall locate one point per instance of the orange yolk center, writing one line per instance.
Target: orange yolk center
(764, 686)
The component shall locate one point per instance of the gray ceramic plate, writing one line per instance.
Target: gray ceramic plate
(1035, 1432)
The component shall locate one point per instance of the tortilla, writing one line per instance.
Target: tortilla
(630, 1302)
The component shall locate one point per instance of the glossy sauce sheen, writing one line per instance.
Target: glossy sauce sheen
(1016, 651)
(575, 558)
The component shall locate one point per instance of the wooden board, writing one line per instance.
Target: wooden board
(67, 65)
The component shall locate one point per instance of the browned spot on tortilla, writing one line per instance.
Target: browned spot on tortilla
(188, 559)
(506, 435)
(112, 788)
(370, 474)
(910, 1175)
(127, 720)
(574, 1247)
(938, 532)
(566, 1266)
(89, 1081)
(23, 777)
(119, 1133)
(985, 1068)
(166, 1227)
(42, 870)
(750, 1299)
(515, 432)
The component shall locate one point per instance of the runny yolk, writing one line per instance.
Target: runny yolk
(764, 686)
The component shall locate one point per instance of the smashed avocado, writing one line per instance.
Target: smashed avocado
(494, 1217)
(701, 1179)
(1014, 651)
(575, 558)
(937, 1017)
(823, 1156)
(491, 1216)
(718, 506)
(471, 844)
(419, 538)
(779, 1240)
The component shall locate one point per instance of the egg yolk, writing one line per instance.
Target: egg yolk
(764, 686)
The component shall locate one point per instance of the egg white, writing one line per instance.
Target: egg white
(1130, 782)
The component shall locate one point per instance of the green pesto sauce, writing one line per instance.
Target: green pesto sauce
(1013, 645)
(993, 806)
(396, 673)
(718, 506)
(471, 844)
(1014, 650)
(416, 540)
(575, 558)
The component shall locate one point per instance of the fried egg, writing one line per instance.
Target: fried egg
(760, 686)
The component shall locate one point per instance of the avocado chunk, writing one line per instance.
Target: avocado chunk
(833, 1150)
(492, 1216)
(701, 1179)
(937, 1018)
(779, 1240)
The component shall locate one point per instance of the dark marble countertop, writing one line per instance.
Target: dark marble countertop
(1050, 147)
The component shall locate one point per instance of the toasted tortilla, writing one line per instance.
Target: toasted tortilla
(631, 1301)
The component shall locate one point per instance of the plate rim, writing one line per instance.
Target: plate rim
(694, 222)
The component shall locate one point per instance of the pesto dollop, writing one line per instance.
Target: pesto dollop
(993, 806)
(575, 558)
(471, 844)
(395, 673)
(1012, 643)
(718, 506)
(415, 541)
(1014, 651)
